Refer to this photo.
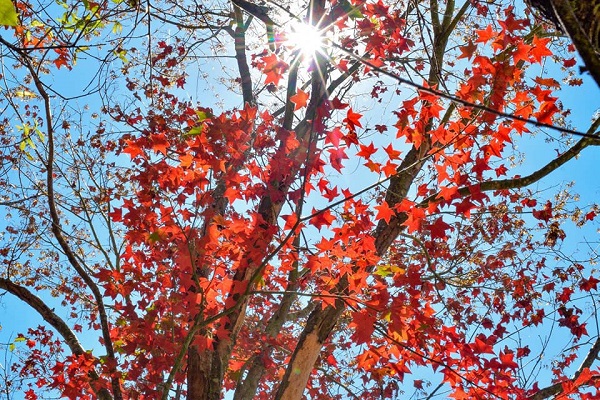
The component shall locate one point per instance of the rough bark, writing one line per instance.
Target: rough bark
(317, 329)
(240, 57)
(580, 19)
(571, 22)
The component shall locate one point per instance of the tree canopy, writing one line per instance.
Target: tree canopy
(285, 200)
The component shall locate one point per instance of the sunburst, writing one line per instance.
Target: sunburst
(307, 39)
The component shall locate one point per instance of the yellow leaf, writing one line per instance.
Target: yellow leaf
(24, 93)
(8, 14)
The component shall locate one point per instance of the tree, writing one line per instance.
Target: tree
(349, 221)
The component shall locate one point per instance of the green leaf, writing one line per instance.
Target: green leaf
(155, 237)
(117, 28)
(30, 143)
(8, 14)
(121, 53)
(40, 134)
(197, 130)
(203, 115)
(352, 11)
(355, 13)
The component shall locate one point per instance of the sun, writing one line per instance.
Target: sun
(307, 39)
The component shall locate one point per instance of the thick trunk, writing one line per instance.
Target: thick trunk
(319, 325)
(202, 377)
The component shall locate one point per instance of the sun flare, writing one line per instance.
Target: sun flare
(306, 38)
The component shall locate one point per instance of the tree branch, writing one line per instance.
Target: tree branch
(516, 183)
(56, 322)
(56, 222)
(10, 203)
(558, 387)
(239, 37)
(466, 103)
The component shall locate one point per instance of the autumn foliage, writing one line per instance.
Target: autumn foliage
(218, 212)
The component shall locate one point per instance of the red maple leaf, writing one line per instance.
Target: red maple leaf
(545, 214)
(299, 99)
(334, 136)
(380, 128)
(353, 119)
(494, 148)
(438, 229)
(507, 360)
(321, 218)
(366, 151)
(523, 351)
(447, 192)
(521, 53)
(133, 149)
(482, 346)
(273, 69)
(539, 50)
(336, 156)
(336, 104)
(160, 144)
(589, 284)
(364, 325)
(485, 35)
(391, 152)
(63, 60)
(464, 207)
(384, 212)
(467, 51)
(547, 110)
(550, 82)
(569, 62)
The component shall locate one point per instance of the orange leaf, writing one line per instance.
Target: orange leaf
(299, 99)
(160, 144)
(540, 50)
(550, 82)
(273, 69)
(133, 149)
(521, 52)
(384, 212)
(391, 152)
(547, 110)
(366, 151)
(485, 35)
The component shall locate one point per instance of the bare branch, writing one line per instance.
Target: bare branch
(56, 221)
(56, 322)
(558, 387)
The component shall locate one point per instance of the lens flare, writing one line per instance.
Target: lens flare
(305, 38)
